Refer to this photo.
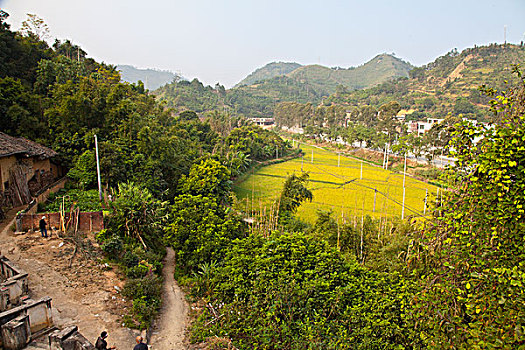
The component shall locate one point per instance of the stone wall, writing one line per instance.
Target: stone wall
(16, 334)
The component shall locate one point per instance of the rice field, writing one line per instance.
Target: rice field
(345, 185)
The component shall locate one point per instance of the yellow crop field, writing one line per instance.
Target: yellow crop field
(347, 186)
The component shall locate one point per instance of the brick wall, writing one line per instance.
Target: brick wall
(87, 221)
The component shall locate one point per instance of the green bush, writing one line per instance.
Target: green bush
(113, 247)
(138, 271)
(201, 231)
(149, 287)
(130, 259)
(293, 291)
(145, 311)
(146, 295)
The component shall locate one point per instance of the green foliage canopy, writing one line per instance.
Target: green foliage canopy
(474, 294)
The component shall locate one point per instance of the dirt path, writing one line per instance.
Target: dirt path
(171, 324)
(83, 294)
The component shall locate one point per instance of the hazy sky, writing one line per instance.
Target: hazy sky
(224, 40)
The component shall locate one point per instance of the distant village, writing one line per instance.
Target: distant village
(413, 126)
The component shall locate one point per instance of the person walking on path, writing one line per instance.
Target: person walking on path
(101, 343)
(43, 225)
(140, 345)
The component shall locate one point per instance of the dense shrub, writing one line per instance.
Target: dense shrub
(201, 230)
(292, 291)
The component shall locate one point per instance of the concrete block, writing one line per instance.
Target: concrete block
(69, 339)
(57, 337)
(4, 299)
(16, 333)
(77, 342)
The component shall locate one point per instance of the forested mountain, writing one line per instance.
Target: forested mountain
(152, 78)
(449, 85)
(304, 84)
(325, 80)
(269, 71)
(448, 88)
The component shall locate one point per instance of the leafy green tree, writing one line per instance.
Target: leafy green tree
(35, 26)
(67, 49)
(200, 230)
(137, 216)
(84, 173)
(463, 106)
(188, 115)
(19, 110)
(473, 297)
(294, 193)
(258, 143)
(209, 178)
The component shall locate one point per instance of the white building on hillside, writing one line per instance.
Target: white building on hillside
(422, 127)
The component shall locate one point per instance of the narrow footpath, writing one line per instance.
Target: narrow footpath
(170, 327)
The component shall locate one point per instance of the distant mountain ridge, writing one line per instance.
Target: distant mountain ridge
(271, 70)
(324, 80)
(152, 78)
(258, 93)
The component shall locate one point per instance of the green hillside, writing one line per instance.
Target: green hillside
(311, 83)
(152, 78)
(259, 93)
(325, 80)
(185, 95)
(449, 85)
(271, 70)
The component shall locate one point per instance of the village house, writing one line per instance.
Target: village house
(421, 127)
(265, 123)
(25, 168)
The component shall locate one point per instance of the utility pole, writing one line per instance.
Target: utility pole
(375, 195)
(425, 207)
(98, 170)
(387, 154)
(384, 157)
(404, 179)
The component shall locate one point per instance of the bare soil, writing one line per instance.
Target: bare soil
(86, 294)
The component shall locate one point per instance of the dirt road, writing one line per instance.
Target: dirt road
(170, 327)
